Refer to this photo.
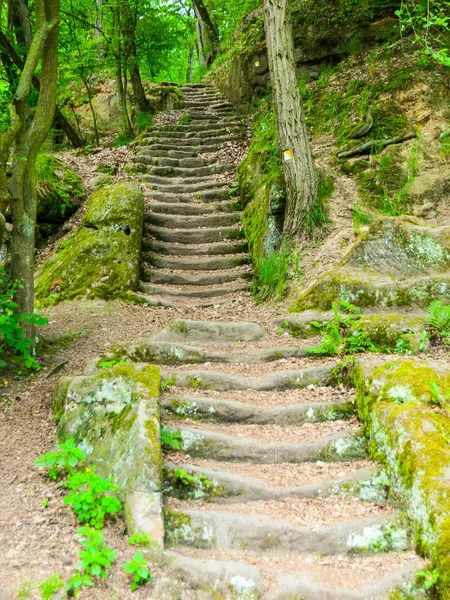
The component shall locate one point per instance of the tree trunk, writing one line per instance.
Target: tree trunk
(136, 82)
(121, 94)
(61, 120)
(211, 27)
(300, 172)
(201, 52)
(28, 143)
(190, 69)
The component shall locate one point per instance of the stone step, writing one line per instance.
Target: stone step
(177, 249)
(192, 208)
(204, 180)
(187, 303)
(190, 172)
(201, 263)
(201, 278)
(170, 186)
(278, 380)
(150, 151)
(343, 446)
(192, 236)
(170, 221)
(195, 132)
(168, 146)
(173, 293)
(200, 127)
(246, 482)
(216, 529)
(295, 576)
(148, 158)
(194, 142)
(216, 410)
(219, 195)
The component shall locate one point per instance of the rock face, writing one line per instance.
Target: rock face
(395, 403)
(101, 257)
(319, 35)
(398, 262)
(114, 417)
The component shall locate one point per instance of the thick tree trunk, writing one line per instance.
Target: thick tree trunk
(61, 120)
(201, 53)
(136, 82)
(300, 172)
(28, 143)
(121, 94)
(211, 27)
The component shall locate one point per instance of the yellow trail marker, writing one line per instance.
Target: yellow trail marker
(256, 63)
(288, 155)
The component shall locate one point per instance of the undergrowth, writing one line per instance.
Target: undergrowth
(274, 273)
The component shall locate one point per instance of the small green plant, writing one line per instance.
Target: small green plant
(63, 461)
(438, 396)
(429, 579)
(139, 539)
(108, 364)
(50, 586)
(88, 497)
(438, 318)
(24, 592)
(360, 216)
(341, 335)
(13, 342)
(171, 440)
(95, 560)
(168, 383)
(189, 480)
(403, 346)
(274, 273)
(138, 569)
(45, 502)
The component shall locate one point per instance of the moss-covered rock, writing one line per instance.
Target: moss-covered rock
(399, 261)
(101, 257)
(58, 190)
(114, 417)
(411, 437)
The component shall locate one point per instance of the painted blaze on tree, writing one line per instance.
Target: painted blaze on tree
(300, 171)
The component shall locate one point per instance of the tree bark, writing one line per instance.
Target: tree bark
(28, 143)
(200, 28)
(61, 120)
(211, 27)
(121, 93)
(300, 171)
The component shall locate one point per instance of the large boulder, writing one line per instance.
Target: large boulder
(114, 417)
(100, 259)
(411, 436)
(397, 262)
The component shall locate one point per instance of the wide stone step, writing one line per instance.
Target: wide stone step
(204, 181)
(310, 577)
(201, 263)
(149, 151)
(228, 531)
(278, 380)
(195, 132)
(198, 279)
(177, 249)
(192, 236)
(168, 146)
(228, 486)
(191, 172)
(182, 187)
(343, 446)
(191, 208)
(170, 221)
(202, 127)
(172, 293)
(147, 157)
(194, 142)
(216, 410)
(218, 195)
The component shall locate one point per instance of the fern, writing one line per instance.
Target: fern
(332, 342)
(438, 317)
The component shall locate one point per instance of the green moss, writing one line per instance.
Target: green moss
(101, 258)
(148, 376)
(58, 190)
(60, 397)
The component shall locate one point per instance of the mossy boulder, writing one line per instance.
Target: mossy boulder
(399, 261)
(59, 190)
(114, 417)
(411, 437)
(100, 259)
(164, 96)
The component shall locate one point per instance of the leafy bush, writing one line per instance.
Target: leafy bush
(65, 459)
(138, 568)
(88, 497)
(12, 338)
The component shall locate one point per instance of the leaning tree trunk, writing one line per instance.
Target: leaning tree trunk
(211, 27)
(28, 143)
(300, 172)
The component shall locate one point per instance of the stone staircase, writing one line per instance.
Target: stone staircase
(194, 254)
(268, 490)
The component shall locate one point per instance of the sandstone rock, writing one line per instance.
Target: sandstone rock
(432, 187)
(114, 417)
(166, 589)
(101, 257)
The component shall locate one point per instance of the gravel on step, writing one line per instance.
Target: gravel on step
(274, 398)
(349, 571)
(299, 512)
(282, 475)
(305, 434)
